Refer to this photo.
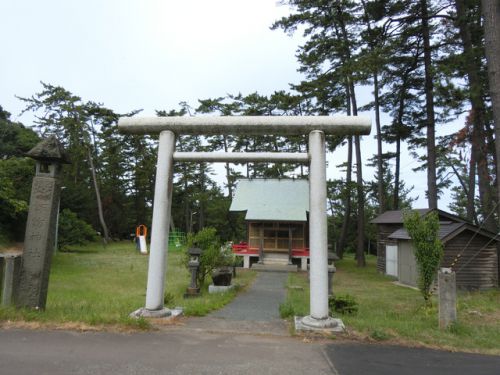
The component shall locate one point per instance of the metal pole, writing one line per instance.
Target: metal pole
(56, 241)
(161, 222)
(318, 227)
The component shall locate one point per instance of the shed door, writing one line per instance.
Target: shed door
(391, 260)
(408, 272)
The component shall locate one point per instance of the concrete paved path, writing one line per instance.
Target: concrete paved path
(260, 302)
(255, 311)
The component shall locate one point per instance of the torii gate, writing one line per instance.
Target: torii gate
(315, 126)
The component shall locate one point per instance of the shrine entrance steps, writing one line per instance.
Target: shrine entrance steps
(275, 262)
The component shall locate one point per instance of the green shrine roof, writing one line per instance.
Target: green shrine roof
(272, 199)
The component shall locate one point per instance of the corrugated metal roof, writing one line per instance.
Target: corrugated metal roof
(445, 229)
(272, 199)
(396, 216)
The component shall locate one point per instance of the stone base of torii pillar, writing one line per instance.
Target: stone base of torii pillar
(327, 325)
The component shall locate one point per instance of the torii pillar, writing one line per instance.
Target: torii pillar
(315, 126)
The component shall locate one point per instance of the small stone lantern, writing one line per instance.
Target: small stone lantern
(331, 272)
(194, 265)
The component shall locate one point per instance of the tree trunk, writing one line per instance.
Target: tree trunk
(98, 199)
(491, 14)
(380, 171)
(360, 248)
(471, 190)
(478, 139)
(351, 98)
(396, 174)
(399, 126)
(228, 169)
(347, 202)
(429, 106)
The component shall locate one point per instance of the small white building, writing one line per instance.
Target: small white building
(468, 249)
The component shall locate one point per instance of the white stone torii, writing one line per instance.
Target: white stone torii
(315, 126)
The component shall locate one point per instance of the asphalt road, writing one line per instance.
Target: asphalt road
(374, 359)
(173, 352)
(185, 351)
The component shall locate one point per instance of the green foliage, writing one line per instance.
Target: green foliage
(343, 304)
(16, 175)
(424, 232)
(286, 310)
(214, 255)
(15, 139)
(379, 335)
(168, 299)
(73, 231)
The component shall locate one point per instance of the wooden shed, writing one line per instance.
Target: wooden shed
(469, 250)
(276, 218)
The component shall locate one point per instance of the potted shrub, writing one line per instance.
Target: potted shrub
(215, 260)
(223, 271)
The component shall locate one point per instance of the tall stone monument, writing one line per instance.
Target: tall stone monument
(41, 225)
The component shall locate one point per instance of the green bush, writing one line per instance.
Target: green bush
(73, 231)
(379, 335)
(214, 255)
(424, 233)
(286, 310)
(343, 304)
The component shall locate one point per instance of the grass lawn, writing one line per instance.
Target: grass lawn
(392, 313)
(94, 285)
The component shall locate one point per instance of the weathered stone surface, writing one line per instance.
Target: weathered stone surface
(38, 243)
(10, 265)
(156, 314)
(212, 289)
(447, 297)
(328, 325)
(49, 149)
(222, 277)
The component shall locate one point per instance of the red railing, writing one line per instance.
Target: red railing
(242, 248)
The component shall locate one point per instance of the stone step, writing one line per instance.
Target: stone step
(276, 258)
(276, 262)
(274, 267)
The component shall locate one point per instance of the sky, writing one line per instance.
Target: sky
(153, 54)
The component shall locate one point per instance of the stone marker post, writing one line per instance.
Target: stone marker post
(9, 277)
(41, 225)
(447, 297)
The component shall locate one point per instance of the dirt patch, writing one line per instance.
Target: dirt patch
(156, 324)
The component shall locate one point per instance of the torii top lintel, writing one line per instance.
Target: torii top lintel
(247, 125)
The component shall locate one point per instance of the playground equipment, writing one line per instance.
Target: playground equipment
(140, 234)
